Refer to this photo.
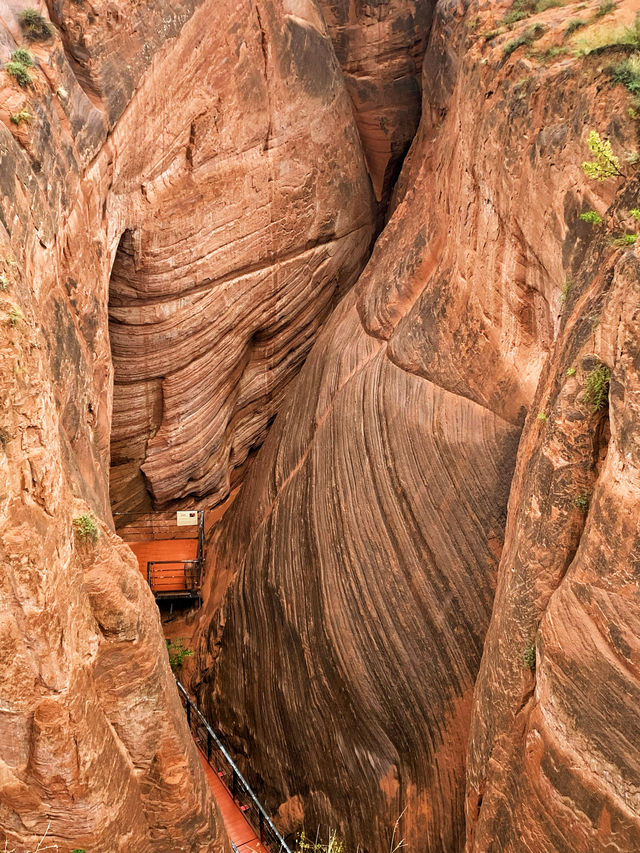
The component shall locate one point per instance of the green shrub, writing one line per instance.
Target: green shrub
(530, 34)
(24, 56)
(542, 416)
(597, 391)
(627, 74)
(19, 72)
(177, 653)
(4, 283)
(605, 164)
(582, 502)
(85, 527)
(592, 217)
(573, 25)
(634, 213)
(606, 7)
(566, 292)
(521, 9)
(571, 371)
(34, 25)
(529, 656)
(23, 115)
(15, 316)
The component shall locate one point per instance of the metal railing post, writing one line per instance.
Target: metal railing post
(149, 573)
(208, 746)
(188, 712)
(261, 829)
(234, 785)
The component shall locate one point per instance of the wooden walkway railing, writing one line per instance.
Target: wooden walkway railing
(236, 786)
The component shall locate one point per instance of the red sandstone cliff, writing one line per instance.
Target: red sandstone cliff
(179, 217)
(366, 540)
(187, 188)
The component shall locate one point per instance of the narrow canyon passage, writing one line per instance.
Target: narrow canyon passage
(319, 360)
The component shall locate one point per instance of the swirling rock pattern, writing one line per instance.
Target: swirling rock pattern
(212, 315)
(342, 660)
(130, 168)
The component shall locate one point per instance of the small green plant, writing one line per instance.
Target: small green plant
(78, 850)
(573, 25)
(542, 416)
(552, 52)
(23, 115)
(625, 240)
(597, 391)
(24, 56)
(571, 371)
(489, 35)
(582, 501)
(634, 213)
(19, 72)
(4, 283)
(605, 164)
(529, 656)
(530, 34)
(177, 653)
(592, 217)
(85, 527)
(34, 25)
(566, 292)
(15, 316)
(606, 7)
(627, 73)
(521, 9)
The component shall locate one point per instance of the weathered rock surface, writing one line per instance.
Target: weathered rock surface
(366, 541)
(211, 315)
(380, 46)
(208, 154)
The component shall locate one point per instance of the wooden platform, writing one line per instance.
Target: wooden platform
(238, 828)
(173, 575)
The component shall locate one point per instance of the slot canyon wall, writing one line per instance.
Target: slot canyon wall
(184, 169)
(187, 221)
(366, 544)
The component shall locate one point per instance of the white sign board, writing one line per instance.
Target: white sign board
(185, 518)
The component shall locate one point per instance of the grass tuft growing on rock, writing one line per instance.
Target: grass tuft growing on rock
(627, 73)
(605, 7)
(23, 115)
(529, 656)
(610, 36)
(530, 34)
(596, 393)
(582, 501)
(34, 25)
(85, 527)
(19, 72)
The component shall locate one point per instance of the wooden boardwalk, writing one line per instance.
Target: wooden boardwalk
(238, 828)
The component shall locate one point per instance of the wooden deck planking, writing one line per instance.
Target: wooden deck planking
(238, 828)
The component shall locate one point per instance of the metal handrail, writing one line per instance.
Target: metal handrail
(263, 816)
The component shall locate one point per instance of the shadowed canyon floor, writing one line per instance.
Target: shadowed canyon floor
(421, 601)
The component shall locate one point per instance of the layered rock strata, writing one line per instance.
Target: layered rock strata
(142, 134)
(365, 545)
